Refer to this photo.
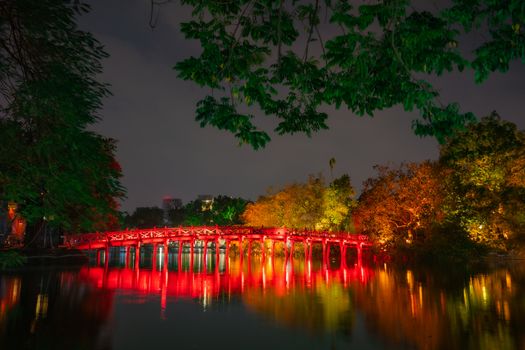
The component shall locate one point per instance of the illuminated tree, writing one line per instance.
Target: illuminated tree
(288, 58)
(400, 204)
(224, 211)
(488, 181)
(312, 205)
(265, 212)
(295, 206)
(338, 203)
(59, 173)
(228, 210)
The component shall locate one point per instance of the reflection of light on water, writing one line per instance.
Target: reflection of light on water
(40, 310)
(506, 310)
(484, 294)
(442, 302)
(420, 296)
(205, 297)
(309, 273)
(264, 277)
(41, 306)
(9, 296)
(288, 273)
(412, 304)
(404, 305)
(410, 279)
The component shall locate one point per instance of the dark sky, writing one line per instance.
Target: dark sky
(164, 152)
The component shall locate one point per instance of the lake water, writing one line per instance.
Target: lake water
(255, 304)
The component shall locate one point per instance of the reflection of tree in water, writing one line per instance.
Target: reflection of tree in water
(9, 299)
(55, 311)
(482, 311)
(322, 308)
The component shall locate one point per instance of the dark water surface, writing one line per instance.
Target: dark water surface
(250, 304)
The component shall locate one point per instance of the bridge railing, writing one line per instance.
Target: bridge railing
(201, 232)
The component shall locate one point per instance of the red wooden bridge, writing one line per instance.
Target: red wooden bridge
(219, 236)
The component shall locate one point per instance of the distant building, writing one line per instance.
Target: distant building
(169, 203)
(206, 202)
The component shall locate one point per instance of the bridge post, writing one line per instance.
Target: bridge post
(227, 257)
(165, 249)
(310, 244)
(285, 247)
(137, 255)
(241, 240)
(359, 253)
(342, 248)
(154, 257)
(98, 256)
(305, 243)
(181, 244)
(127, 256)
(326, 251)
(217, 255)
(179, 256)
(106, 256)
(205, 255)
(292, 249)
(192, 244)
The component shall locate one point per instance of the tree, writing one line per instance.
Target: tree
(145, 217)
(224, 211)
(311, 205)
(228, 210)
(338, 203)
(295, 206)
(288, 58)
(58, 172)
(400, 204)
(488, 181)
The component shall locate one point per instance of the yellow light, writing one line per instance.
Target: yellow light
(410, 279)
(508, 281)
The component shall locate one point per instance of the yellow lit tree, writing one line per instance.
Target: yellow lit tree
(311, 205)
(488, 181)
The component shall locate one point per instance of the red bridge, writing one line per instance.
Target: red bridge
(220, 236)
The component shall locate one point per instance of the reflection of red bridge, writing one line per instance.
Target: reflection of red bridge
(219, 235)
(232, 278)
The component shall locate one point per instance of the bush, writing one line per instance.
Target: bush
(10, 259)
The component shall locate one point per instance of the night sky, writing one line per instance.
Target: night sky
(164, 152)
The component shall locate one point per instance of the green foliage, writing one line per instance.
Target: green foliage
(52, 166)
(288, 58)
(338, 204)
(10, 259)
(487, 185)
(223, 212)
